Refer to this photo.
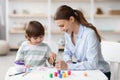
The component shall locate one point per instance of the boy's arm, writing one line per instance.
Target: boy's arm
(20, 55)
(52, 58)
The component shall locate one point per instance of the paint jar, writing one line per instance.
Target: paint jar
(20, 66)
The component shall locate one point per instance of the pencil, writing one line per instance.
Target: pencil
(26, 73)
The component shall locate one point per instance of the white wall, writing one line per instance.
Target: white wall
(2, 19)
(109, 23)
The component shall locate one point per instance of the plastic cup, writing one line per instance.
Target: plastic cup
(20, 66)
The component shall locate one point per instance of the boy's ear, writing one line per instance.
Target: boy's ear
(72, 19)
(27, 37)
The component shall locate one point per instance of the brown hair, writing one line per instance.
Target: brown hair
(34, 29)
(65, 12)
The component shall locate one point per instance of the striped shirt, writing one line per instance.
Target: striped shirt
(33, 55)
(87, 51)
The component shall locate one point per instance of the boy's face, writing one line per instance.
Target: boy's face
(36, 40)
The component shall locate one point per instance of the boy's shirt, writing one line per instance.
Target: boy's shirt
(33, 55)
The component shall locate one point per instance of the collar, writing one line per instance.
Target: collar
(80, 32)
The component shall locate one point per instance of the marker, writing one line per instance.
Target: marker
(69, 72)
(51, 75)
(55, 74)
(54, 63)
(16, 74)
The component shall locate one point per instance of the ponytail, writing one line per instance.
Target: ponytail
(65, 12)
(81, 19)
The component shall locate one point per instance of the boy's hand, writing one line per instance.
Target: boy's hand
(52, 58)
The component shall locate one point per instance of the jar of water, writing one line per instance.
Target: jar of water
(20, 66)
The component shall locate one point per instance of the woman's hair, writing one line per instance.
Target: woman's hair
(34, 29)
(65, 12)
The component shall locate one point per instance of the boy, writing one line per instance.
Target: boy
(35, 52)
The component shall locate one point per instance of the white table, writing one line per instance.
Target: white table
(42, 73)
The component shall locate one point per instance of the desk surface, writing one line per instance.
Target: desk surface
(44, 74)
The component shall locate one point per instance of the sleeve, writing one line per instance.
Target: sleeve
(48, 51)
(20, 53)
(67, 55)
(91, 62)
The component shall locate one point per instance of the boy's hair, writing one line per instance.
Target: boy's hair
(34, 29)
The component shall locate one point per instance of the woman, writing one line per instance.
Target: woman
(81, 41)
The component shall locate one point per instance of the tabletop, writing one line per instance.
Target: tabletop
(49, 73)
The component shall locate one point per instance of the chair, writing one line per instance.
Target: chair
(111, 53)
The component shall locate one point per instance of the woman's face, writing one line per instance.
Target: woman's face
(65, 25)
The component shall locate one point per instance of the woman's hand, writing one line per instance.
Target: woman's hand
(52, 58)
(61, 65)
